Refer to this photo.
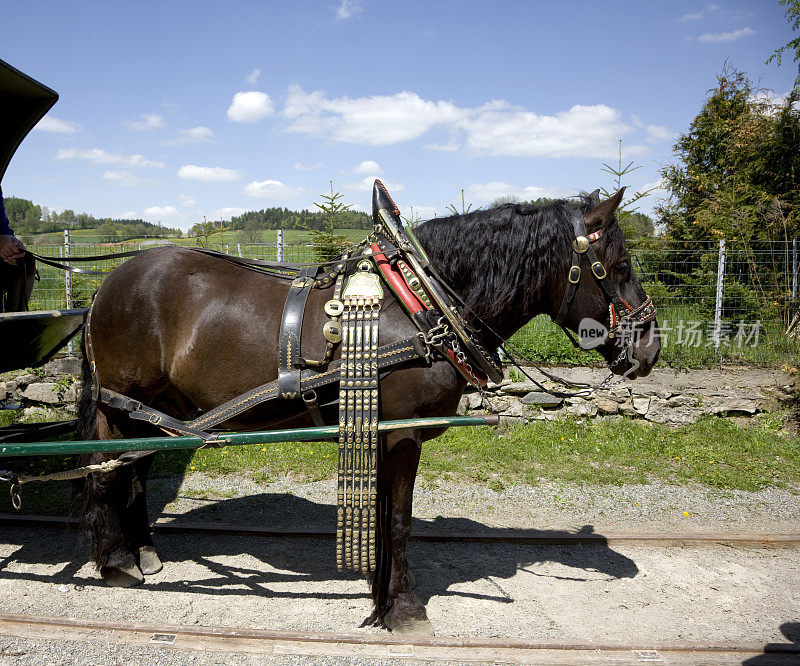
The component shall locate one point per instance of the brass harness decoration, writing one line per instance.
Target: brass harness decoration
(358, 422)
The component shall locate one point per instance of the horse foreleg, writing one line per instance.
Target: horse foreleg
(396, 606)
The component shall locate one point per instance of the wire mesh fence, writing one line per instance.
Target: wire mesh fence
(709, 310)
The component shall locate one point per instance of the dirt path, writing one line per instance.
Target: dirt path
(596, 593)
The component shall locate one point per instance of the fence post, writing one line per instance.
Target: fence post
(280, 245)
(794, 269)
(720, 283)
(68, 286)
(239, 248)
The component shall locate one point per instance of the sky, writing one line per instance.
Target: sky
(171, 111)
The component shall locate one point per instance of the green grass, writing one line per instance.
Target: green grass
(713, 453)
(544, 342)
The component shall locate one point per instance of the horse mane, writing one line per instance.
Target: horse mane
(498, 259)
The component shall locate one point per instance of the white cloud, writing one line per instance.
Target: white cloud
(272, 189)
(348, 9)
(379, 120)
(482, 194)
(187, 201)
(300, 166)
(252, 77)
(100, 156)
(149, 121)
(658, 186)
(197, 134)
(125, 178)
(495, 128)
(366, 184)
(369, 167)
(250, 107)
(582, 131)
(57, 126)
(208, 174)
(657, 133)
(722, 37)
(691, 17)
(127, 215)
(449, 147)
(420, 213)
(226, 213)
(162, 211)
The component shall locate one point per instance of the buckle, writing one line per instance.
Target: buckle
(596, 272)
(574, 274)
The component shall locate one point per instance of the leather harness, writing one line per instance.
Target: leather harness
(619, 311)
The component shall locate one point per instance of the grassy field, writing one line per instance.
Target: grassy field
(541, 341)
(713, 453)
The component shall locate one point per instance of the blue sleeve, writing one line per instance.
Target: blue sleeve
(5, 229)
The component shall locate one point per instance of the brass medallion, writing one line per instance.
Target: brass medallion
(334, 308)
(332, 331)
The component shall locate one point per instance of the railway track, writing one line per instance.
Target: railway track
(498, 535)
(383, 646)
(380, 646)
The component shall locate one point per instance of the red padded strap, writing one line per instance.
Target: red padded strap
(397, 281)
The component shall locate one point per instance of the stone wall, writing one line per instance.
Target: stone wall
(666, 396)
(49, 391)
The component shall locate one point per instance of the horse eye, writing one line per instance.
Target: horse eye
(623, 266)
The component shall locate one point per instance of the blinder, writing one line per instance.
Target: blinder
(619, 311)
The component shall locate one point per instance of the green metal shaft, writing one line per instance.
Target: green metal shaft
(228, 439)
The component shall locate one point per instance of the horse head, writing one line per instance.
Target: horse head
(603, 301)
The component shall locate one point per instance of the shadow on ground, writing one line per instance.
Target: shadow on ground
(780, 653)
(437, 566)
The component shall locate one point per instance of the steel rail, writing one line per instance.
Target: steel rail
(227, 439)
(493, 535)
(382, 645)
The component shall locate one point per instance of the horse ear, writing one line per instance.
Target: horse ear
(594, 198)
(603, 213)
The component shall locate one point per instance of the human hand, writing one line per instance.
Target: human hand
(11, 249)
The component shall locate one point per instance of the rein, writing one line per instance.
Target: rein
(284, 270)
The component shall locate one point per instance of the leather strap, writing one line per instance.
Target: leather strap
(139, 412)
(408, 349)
(289, 359)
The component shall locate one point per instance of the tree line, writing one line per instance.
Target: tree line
(27, 218)
(283, 218)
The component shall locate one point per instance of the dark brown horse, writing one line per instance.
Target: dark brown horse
(184, 332)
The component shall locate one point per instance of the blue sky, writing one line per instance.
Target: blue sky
(174, 110)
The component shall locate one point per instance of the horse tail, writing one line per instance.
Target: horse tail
(87, 405)
(89, 493)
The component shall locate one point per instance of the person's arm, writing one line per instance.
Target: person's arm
(5, 228)
(11, 248)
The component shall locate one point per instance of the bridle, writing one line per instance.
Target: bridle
(620, 313)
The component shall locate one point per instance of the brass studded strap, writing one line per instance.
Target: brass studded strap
(358, 422)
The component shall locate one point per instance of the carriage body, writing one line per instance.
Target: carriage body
(29, 339)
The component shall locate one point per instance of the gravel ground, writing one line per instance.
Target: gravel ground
(579, 593)
(471, 507)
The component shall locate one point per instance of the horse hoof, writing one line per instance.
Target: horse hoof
(117, 577)
(149, 561)
(417, 628)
